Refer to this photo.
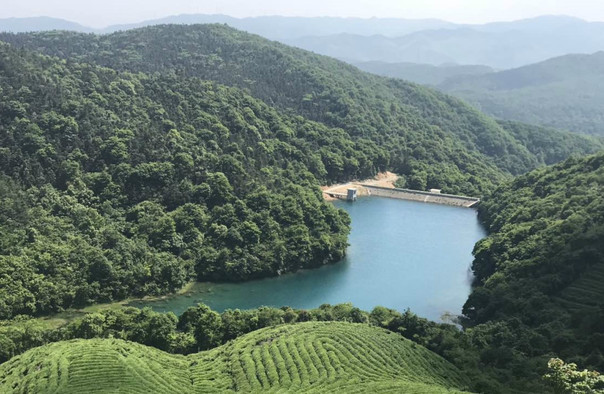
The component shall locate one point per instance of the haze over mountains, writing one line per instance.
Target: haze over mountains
(499, 45)
(426, 74)
(272, 27)
(565, 92)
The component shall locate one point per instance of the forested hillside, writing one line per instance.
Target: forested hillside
(432, 140)
(125, 184)
(566, 93)
(539, 272)
(550, 146)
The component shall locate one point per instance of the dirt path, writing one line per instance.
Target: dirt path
(383, 179)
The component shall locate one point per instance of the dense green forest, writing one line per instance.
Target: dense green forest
(550, 146)
(116, 185)
(432, 140)
(539, 273)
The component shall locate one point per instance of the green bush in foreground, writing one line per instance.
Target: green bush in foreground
(565, 378)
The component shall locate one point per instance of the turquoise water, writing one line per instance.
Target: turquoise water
(402, 254)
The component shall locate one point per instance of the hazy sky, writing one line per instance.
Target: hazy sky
(99, 13)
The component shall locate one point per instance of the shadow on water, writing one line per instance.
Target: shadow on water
(402, 255)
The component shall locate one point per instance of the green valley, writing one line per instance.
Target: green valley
(136, 162)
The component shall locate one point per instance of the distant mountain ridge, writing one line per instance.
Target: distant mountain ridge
(42, 23)
(425, 74)
(500, 45)
(272, 27)
(283, 28)
(566, 92)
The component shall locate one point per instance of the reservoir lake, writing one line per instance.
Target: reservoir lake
(402, 254)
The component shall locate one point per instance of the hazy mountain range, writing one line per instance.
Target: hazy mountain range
(500, 45)
(41, 23)
(564, 92)
(425, 74)
(272, 27)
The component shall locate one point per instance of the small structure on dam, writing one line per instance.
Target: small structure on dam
(351, 195)
(352, 190)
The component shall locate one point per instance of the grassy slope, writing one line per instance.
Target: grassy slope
(586, 292)
(305, 357)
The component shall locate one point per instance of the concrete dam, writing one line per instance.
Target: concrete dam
(362, 189)
(417, 195)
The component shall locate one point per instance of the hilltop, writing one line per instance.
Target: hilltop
(124, 184)
(317, 357)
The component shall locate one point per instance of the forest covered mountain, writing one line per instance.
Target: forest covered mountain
(134, 162)
(431, 139)
(115, 185)
(539, 272)
(130, 150)
(565, 92)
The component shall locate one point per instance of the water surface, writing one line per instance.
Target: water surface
(402, 254)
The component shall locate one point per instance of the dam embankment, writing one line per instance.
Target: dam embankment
(417, 195)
